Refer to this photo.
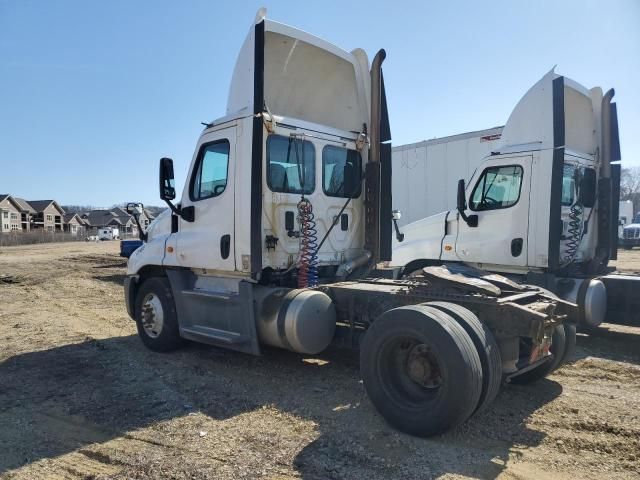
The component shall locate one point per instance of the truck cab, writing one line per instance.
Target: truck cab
(631, 233)
(542, 207)
(295, 127)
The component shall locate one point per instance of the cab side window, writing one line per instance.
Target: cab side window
(210, 177)
(291, 165)
(341, 172)
(498, 187)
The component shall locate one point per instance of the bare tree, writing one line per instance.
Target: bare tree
(630, 186)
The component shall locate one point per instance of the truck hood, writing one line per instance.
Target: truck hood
(300, 76)
(161, 225)
(422, 240)
(631, 225)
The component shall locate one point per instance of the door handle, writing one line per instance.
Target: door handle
(344, 222)
(516, 247)
(225, 246)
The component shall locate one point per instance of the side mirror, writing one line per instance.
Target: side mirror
(133, 208)
(471, 220)
(588, 188)
(167, 183)
(168, 190)
(462, 202)
(350, 179)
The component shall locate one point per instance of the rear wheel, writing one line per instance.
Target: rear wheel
(156, 317)
(569, 343)
(420, 370)
(485, 345)
(558, 344)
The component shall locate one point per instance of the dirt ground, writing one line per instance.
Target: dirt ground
(628, 260)
(80, 397)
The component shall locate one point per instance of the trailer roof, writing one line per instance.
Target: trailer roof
(450, 138)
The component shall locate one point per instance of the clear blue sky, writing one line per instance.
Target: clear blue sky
(93, 93)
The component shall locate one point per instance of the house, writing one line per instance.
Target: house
(146, 218)
(10, 214)
(49, 215)
(115, 217)
(74, 225)
(27, 213)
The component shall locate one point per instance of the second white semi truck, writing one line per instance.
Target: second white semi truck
(537, 200)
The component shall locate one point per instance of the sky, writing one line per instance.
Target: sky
(93, 93)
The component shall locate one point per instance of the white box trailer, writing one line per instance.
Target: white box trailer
(425, 174)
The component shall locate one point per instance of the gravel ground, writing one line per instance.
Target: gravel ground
(80, 397)
(628, 260)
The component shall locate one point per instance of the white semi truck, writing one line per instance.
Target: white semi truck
(540, 207)
(631, 233)
(285, 215)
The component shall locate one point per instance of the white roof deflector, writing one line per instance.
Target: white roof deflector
(568, 117)
(305, 78)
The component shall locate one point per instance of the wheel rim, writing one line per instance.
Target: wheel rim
(410, 372)
(422, 367)
(152, 315)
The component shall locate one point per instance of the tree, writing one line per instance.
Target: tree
(630, 186)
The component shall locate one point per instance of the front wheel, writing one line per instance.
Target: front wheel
(421, 370)
(156, 317)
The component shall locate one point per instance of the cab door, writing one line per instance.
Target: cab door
(208, 241)
(499, 196)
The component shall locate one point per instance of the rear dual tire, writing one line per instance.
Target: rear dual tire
(563, 346)
(421, 369)
(486, 346)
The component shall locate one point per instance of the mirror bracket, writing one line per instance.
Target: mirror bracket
(395, 216)
(470, 220)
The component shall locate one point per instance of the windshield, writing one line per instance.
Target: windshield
(499, 187)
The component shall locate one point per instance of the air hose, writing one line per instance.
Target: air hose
(308, 262)
(308, 258)
(576, 228)
(576, 215)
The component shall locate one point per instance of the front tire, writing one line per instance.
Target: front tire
(156, 316)
(420, 370)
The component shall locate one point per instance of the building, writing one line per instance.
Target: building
(74, 224)
(49, 215)
(26, 213)
(115, 217)
(20, 215)
(10, 214)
